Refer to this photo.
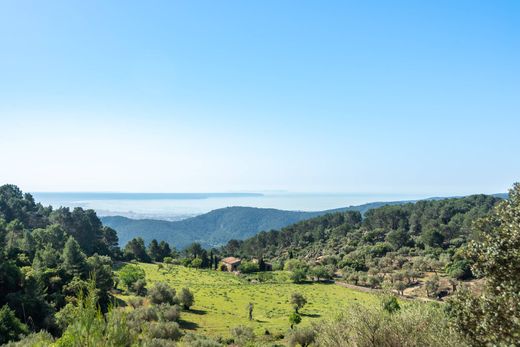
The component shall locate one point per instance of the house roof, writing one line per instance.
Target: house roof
(231, 260)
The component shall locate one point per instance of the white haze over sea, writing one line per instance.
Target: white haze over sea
(176, 206)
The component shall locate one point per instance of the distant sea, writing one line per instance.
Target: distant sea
(177, 206)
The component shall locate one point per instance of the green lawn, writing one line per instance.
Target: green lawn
(221, 299)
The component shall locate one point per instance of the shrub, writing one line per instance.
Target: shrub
(155, 342)
(162, 293)
(186, 298)
(196, 263)
(390, 304)
(242, 334)
(139, 287)
(135, 302)
(169, 313)
(302, 337)
(298, 276)
(40, 339)
(249, 267)
(417, 324)
(148, 314)
(164, 330)
(129, 274)
(194, 340)
(294, 318)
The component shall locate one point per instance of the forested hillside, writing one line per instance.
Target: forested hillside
(217, 227)
(440, 224)
(390, 246)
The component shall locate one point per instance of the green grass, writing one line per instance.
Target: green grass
(221, 299)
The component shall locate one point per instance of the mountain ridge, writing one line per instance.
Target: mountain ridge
(218, 226)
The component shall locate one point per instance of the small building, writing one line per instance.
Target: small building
(230, 264)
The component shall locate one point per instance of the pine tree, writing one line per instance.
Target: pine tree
(74, 260)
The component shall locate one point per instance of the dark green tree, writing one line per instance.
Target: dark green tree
(11, 329)
(493, 318)
(74, 260)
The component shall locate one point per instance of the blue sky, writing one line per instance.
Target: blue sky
(308, 96)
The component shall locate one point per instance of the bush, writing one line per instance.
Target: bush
(390, 304)
(129, 274)
(135, 302)
(242, 334)
(169, 313)
(154, 342)
(249, 267)
(196, 263)
(193, 340)
(302, 337)
(141, 314)
(139, 287)
(298, 276)
(164, 330)
(416, 324)
(294, 319)
(186, 298)
(40, 339)
(162, 293)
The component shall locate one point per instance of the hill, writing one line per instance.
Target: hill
(217, 227)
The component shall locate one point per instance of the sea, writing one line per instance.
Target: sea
(177, 206)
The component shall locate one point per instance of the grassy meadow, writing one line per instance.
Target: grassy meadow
(221, 299)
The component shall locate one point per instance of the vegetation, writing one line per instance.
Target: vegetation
(215, 228)
(391, 247)
(64, 281)
(493, 318)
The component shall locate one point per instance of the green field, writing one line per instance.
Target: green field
(221, 299)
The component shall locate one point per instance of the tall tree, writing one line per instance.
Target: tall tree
(74, 260)
(493, 318)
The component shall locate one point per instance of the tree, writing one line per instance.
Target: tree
(400, 286)
(186, 298)
(164, 250)
(196, 263)
(298, 301)
(100, 268)
(129, 274)
(432, 286)
(135, 249)
(194, 250)
(249, 267)
(397, 238)
(493, 318)
(294, 319)
(153, 251)
(298, 275)
(74, 260)
(11, 328)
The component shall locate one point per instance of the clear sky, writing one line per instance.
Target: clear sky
(306, 96)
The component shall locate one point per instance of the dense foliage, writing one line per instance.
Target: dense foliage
(46, 256)
(391, 245)
(215, 228)
(493, 318)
